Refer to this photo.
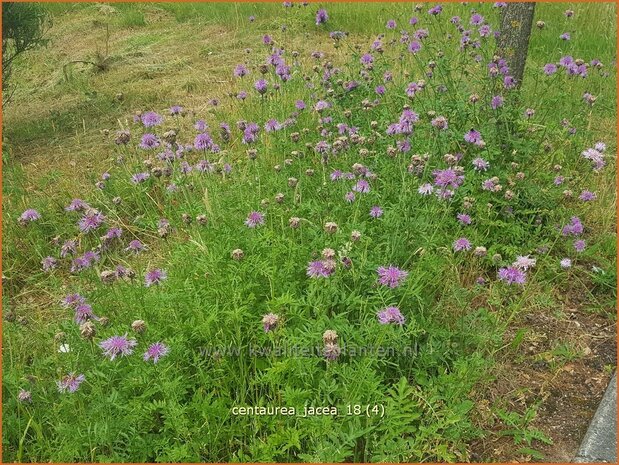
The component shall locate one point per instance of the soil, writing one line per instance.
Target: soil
(562, 367)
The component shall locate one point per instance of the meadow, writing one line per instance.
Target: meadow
(219, 208)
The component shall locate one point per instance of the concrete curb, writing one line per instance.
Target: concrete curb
(600, 442)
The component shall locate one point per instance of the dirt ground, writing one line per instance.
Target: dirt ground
(566, 388)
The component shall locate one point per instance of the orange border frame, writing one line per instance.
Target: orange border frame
(324, 2)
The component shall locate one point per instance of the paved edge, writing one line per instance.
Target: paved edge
(600, 442)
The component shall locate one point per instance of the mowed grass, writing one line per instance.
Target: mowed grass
(56, 145)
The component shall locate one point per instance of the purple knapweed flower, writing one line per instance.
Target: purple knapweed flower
(464, 218)
(156, 351)
(154, 277)
(118, 346)
(391, 276)
(580, 245)
(321, 17)
(77, 205)
(261, 86)
(362, 186)
(149, 141)
(524, 262)
(320, 268)
(376, 212)
(270, 322)
(48, 264)
(391, 315)
(587, 196)
(426, 189)
(550, 69)
(254, 219)
(512, 275)
(91, 221)
(474, 137)
(135, 246)
(447, 178)
(574, 228)
(29, 216)
(150, 119)
(462, 244)
(70, 383)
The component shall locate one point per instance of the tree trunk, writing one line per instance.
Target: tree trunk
(513, 41)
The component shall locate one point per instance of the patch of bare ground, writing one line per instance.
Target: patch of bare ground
(561, 368)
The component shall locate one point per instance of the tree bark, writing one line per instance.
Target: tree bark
(513, 41)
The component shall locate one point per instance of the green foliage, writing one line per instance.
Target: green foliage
(23, 28)
(413, 405)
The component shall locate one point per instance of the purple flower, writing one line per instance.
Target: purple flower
(29, 216)
(559, 180)
(73, 301)
(414, 46)
(261, 86)
(362, 186)
(240, 71)
(479, 164)
(270, 322)
(587, 196)
(391, 315)
(464, 218)
(70, 383)
(155, 352)
(476, 19)
(320, 269)
(150, 119)
(176, 110)
(509, 82)
(462, 244)
(376, 211)
(496, 102)
(149, 141)
(366, 59)
(202, 141)
(580, 245)
(77, 205)
(135, 246)
(447, 178)
(565, 36)
(118, 346)
(139, 178)
(48, 264)
(24, 396)
(321, 16)
(391, 24)
(566, 263)
(550, 69)
(200, 125)
(391, 276)
(91, 221)
(83, 313)
(435, 10)
(154, 277)
(426, 189)
(474, 137)
(349, 197)
(574, 228)
(254, 219)
(68, 248)
(512, 275)
(440, 122)
(524, 262)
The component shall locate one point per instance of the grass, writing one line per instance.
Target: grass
(58, 139)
